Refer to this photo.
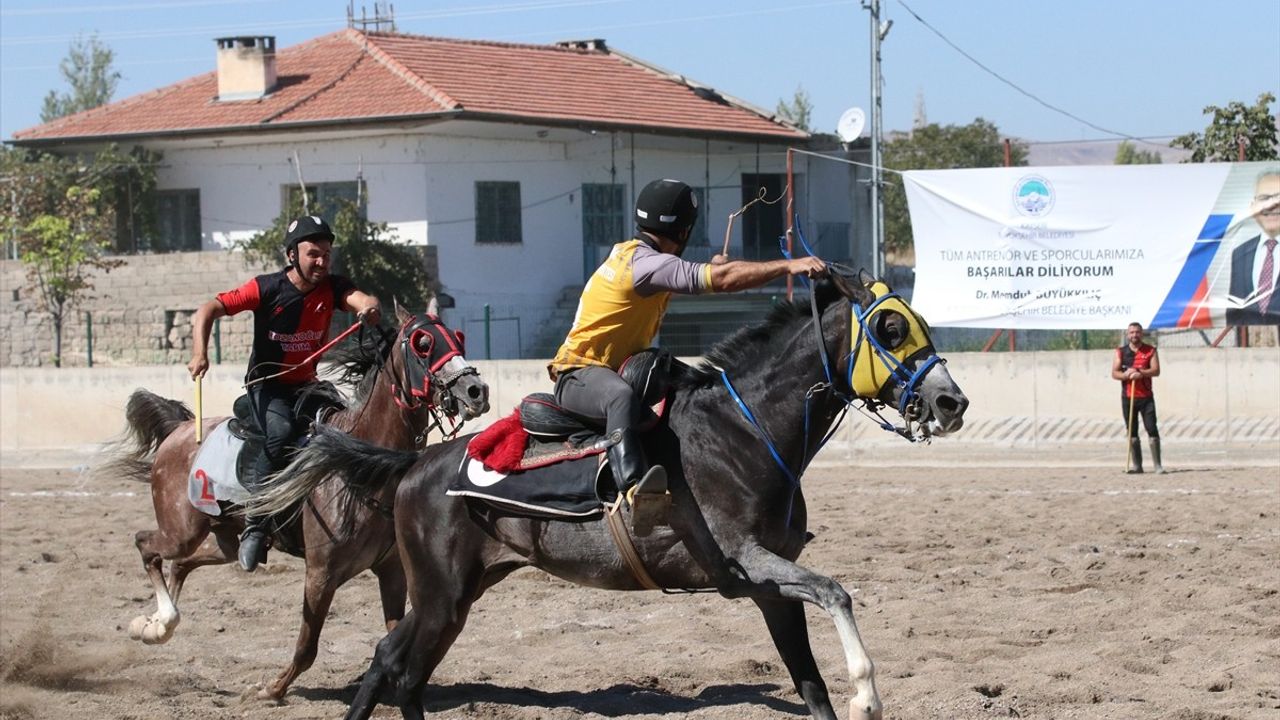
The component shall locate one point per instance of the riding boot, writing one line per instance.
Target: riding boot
(1155, 455)
(645, 488)
(1135, 454)
(254, 542)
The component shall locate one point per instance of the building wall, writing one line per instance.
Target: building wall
(421, 180)
(140, 312)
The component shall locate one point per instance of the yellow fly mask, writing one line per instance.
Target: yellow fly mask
(873, 365)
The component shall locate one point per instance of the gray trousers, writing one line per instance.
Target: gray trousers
(599, 395)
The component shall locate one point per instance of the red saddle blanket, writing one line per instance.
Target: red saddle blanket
(506, 447)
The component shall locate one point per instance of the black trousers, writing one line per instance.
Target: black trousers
(273, 405)
(1144, 408)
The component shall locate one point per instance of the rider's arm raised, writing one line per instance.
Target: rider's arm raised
(737, 275)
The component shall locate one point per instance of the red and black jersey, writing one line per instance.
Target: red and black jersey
(288, 325)
(1140, 359)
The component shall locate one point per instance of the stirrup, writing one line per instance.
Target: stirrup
(650, 501)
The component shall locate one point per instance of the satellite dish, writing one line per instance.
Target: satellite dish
(851, 124)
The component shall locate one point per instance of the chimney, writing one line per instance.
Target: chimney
(246, 67)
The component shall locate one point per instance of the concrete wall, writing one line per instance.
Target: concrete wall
(1018, 399)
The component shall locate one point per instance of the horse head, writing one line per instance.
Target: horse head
(432, 369)
(891, 358)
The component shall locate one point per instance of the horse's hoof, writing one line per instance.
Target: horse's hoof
(157, 633)
(270, 695)
(137, 626)
(865, 711)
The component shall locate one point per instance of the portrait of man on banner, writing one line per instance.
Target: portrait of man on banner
(1255, 261)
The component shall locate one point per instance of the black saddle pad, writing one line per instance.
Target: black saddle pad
(563, 490)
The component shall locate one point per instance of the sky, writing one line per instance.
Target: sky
(1138, 68)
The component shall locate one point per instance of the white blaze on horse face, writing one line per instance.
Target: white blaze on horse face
(473, 404)
(944, 399)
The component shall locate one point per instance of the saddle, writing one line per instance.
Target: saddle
(213, 485)
(533, 448)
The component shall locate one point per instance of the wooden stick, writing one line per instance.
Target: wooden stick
(1129, 430)
(199, 410)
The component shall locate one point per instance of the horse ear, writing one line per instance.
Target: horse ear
(401, 314)
(433, 306)
(857, 293)
(866, 278)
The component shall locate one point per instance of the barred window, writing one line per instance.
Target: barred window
(603, 213)
(498, 212)
(177, 221)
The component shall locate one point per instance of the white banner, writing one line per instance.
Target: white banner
(1096, 247)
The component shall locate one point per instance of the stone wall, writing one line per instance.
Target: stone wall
(140, 312)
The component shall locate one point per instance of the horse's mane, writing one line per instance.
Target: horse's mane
(754, 345)
(352, 361)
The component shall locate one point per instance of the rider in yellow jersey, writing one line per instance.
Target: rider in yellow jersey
(620, 314)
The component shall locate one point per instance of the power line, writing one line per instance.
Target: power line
(89, 9)
(530, 5)
(1014, 85)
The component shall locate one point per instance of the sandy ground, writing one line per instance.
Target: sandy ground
(1045, 592)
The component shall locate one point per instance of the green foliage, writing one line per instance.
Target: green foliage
(62, 250)
(1129, 154)
(35, 183)
(934, 146)
(367, 252)
(1221, 139)
(799, 111)
(87, 69)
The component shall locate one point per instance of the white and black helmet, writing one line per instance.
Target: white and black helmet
(666, 207)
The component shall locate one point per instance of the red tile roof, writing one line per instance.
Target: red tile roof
(354, 76)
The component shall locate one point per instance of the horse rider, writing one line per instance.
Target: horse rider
(292, 309)
(620, 312)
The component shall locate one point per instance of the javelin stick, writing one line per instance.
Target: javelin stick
(313, 356)
(1129, 429)
(199, 411)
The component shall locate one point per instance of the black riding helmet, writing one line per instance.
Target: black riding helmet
(307, 227)
(667, 207)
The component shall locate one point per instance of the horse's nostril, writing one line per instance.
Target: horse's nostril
(473, 392)
(950, 404)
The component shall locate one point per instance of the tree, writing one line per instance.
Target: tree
(87, 69)
(1221, 139)
(62, 214)
(797, 112)
(934, 146)
(367, 252)
(1129, 154)
(62, 250)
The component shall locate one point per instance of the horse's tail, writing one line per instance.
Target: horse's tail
(365, 468)
(150, 419)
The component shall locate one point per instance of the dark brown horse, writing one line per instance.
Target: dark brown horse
(739, 432)
(409, 384)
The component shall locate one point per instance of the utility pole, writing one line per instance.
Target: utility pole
(878, 33)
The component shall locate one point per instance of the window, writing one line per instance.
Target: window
(603, 214)
(498, 212)
(763, 224)
(323, 198)
(177, 221)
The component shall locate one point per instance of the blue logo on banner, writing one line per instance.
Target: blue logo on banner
(1033, 196)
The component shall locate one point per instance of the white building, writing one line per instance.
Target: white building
(519, 163)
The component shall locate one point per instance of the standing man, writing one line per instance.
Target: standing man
(620, 312)
(292, 309)
(1135, 364)
(1255, 264)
